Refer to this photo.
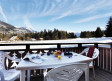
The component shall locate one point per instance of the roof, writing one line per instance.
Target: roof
(13, 38)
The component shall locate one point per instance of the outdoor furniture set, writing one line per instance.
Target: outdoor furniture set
(65, 68)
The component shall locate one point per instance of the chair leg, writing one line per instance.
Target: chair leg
(45, 72)
(2, 76)
(45, 78)
(93, 72)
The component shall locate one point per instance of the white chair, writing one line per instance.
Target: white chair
(95, 55)
(66, 73)
(7, 75)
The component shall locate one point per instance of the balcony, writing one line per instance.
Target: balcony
(103, 65)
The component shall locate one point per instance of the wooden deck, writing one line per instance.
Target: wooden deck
(101, 75)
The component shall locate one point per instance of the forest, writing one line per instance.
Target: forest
(99, 33)
(46, 35)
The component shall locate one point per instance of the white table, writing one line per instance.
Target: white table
(51, 62)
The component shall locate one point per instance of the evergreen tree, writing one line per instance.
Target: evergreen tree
(45, 34)
(68, 35)
(63, 35)
(55, 34)
(59, 35)
(92, 33)
(72, 35)
(98, 32)
(50, 36)
(36, 35)
(88, 34)
(83, 34)
(108, 31)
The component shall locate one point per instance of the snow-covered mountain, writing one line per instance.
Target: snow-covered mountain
(7, 28)
(24, 29)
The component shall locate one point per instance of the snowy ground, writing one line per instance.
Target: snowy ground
(77, 40)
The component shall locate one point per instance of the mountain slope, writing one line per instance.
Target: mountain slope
(4, 27)
(7, 28)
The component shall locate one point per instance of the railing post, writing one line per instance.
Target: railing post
(27, 47)
(96, 45)
(110, 45)
(58, 46)
(80, 45)
(96, 60)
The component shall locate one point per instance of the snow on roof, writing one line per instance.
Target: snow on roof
(13, 38)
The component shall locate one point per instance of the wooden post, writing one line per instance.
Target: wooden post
(110, 57)
(27, 47)
(96, 60)
(79, 45)
(96, 45)
(58, 46)
(110, 45)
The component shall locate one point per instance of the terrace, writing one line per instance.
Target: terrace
(103, 65)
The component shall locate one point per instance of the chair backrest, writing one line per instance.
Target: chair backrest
(2, 76)
(67, 73)
(7, 75)
(95, 53)
(2, 59)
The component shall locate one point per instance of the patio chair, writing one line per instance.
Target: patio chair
(94, 56)
(66, 73)
(7, 75)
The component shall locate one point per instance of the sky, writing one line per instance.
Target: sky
(68, 15)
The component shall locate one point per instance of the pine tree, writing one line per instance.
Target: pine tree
(55, 34)
(92, 33)
(83, 34)
(108, 31)
(98, 32)
(88, 34)
(63, 35)
(50, 36)
(72, 35)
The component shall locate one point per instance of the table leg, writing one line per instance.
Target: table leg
(22, 75)
(40, 71)
(87, 73)
(28, 75)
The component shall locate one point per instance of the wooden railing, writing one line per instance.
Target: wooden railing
(104, 60)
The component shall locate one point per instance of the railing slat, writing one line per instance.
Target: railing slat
(111, 60)
(108, 59)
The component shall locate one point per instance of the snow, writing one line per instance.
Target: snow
(76, 40)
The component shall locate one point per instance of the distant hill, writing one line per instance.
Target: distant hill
(8, 29)
(77, 34)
